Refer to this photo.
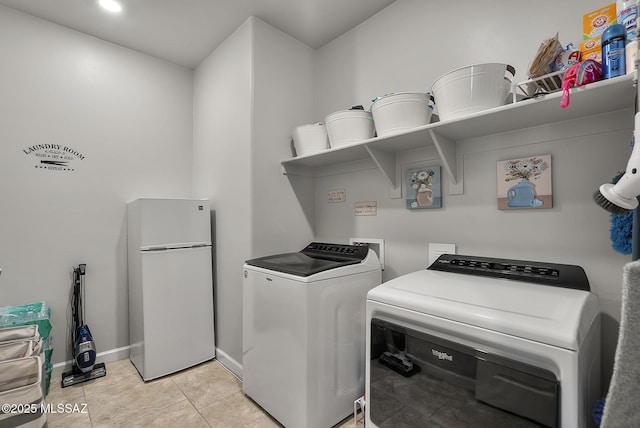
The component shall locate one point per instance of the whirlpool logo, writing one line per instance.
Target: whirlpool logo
(442, 355)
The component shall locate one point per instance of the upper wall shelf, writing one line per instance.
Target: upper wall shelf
(598, 97)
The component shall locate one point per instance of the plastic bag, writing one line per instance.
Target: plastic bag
(545, 58)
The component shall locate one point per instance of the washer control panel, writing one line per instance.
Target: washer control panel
(336, 251)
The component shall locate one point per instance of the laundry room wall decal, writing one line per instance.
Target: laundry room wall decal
(54, 157)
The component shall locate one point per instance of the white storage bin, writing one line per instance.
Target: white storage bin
(472, 89)
(20, 349)
(309, 139)
(349, 126)
(28, 332)
(21, 385)
(399, 112)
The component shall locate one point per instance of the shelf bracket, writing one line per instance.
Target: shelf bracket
(447, 151)
(297, 170)
(386, 162)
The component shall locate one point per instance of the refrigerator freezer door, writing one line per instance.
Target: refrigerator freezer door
(177, 300)
(173, 221)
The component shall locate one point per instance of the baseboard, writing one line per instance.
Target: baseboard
(102, 357)
(121, 353)
(232, 365)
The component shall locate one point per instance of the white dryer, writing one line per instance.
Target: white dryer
(303, 332)
(482, 342)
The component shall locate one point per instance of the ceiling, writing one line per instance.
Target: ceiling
(187, 31)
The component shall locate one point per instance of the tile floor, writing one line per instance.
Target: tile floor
(207, 395)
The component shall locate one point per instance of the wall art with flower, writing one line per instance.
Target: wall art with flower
(423, 188)
(525, 183)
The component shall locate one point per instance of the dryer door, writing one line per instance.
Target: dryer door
(419, 380)
(519, 390)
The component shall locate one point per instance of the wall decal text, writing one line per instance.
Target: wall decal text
(54, 157)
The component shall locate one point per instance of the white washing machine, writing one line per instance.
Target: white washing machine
(303, 357)
(482, 342)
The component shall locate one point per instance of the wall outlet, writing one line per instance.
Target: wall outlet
(376, 244)
(436, 250)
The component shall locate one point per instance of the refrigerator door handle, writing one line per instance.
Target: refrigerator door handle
(185, 246)
(204, 244)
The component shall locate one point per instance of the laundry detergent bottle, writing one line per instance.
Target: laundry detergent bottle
(613, 51)
(627, 15)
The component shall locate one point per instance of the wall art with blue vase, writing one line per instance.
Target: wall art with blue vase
(525, 183)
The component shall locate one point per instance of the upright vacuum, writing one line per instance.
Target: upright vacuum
(83, 347)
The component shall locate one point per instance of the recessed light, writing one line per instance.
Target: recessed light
(110, 5)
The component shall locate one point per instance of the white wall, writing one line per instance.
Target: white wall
(130, 118)
(249, 93)
(283, 214)
(406, 47)
(222, 159)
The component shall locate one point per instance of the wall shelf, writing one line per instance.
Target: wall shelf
(592, 99)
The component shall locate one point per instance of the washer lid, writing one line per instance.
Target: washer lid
(553, 315)
(314, 258)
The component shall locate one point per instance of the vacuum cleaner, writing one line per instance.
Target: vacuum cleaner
(83, 346)
(396, 358)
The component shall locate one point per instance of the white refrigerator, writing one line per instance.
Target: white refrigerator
(170, 285)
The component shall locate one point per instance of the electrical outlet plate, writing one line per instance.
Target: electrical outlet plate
(376, 244)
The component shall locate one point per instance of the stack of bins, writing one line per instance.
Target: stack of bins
(39, 314)
(21, 382)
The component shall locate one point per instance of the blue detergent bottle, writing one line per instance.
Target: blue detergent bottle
(613, 51)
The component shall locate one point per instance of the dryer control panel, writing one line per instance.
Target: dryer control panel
(559, 275)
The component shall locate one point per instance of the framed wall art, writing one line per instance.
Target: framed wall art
(525, 183)
(423, 188)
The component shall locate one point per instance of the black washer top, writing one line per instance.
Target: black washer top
(559, 275)
(314, 258)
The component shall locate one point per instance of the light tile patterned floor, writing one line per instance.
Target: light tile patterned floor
(207, 395)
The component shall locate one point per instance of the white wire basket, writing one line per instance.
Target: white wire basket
(546, 84)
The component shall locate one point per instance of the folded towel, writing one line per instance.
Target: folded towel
(622, 408)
